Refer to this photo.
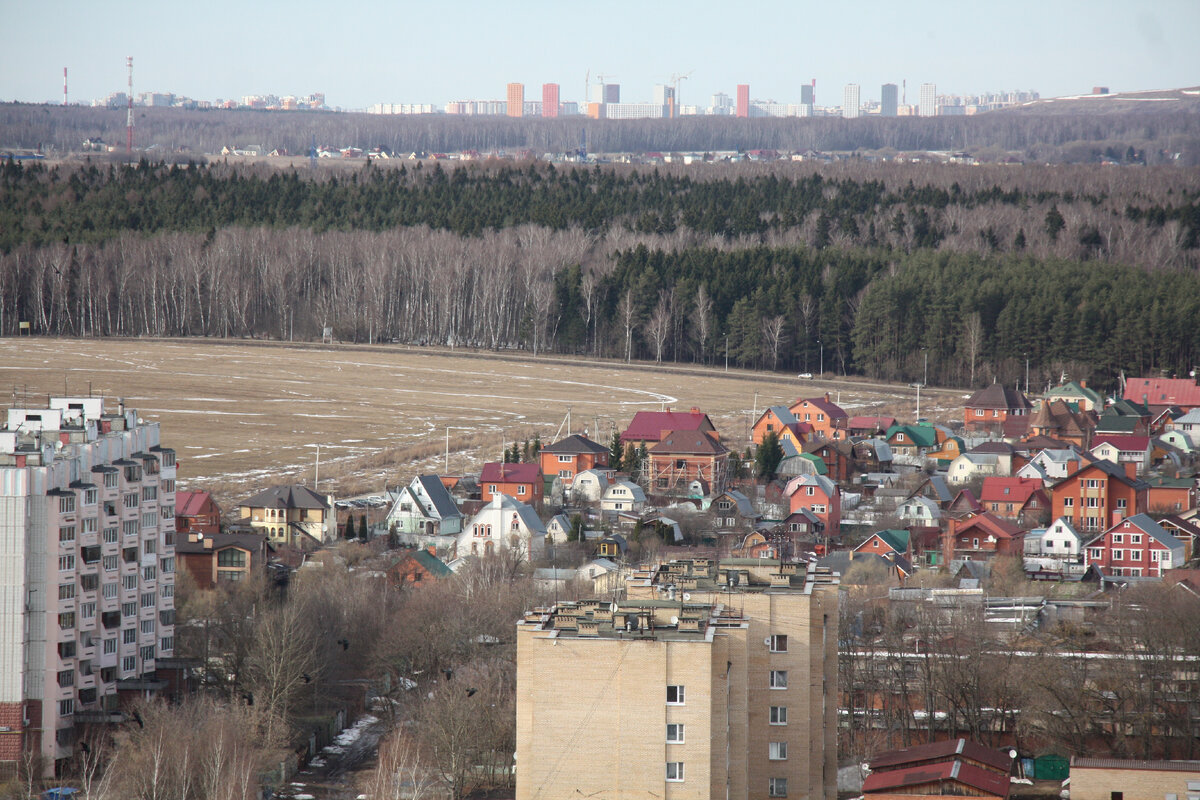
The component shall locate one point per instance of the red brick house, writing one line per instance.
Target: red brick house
(570, 456)
(522, 482)
(417, 568)
(684, 456)
(1098, 495)
(837, 455)
(1135, 547)
(221, 558)
(196, 512)
(981, 537)
(783, 423)
(1171, 495)
(818, 495)
(826, 417)
(1058, 421)
(988, 408)
(648, 427)
(1015, 499)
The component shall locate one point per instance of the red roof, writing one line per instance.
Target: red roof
(649, 426)
(831, 409)
(1008, 490)
(1127, 443)
(189, 504)
(938, 751)
(1182, 392)
(1001, 529)
(969, 775)
(870, 423)
(498, 472)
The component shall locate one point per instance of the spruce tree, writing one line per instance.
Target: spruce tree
(363, 533)
(615, 451)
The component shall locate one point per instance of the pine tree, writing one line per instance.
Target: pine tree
(629, 461)
(525, 452)
(768, 455)
(363, 533)
(536, 447)
(615, 451)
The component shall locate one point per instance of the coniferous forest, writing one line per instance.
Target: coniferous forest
(859, 268)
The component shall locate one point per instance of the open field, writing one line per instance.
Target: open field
(243, 415)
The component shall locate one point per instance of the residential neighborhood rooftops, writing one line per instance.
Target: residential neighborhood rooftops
(1183, 392)
(574, 444)
(823, 404)
(291, 496)
(500, 472)
(689, 442)
(962, 748)
(998, 396)
(189, 504)
(212, 542)
(979, 779)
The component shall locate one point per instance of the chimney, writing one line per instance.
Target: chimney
(1131, 470)
(827, 397)
(432, 550)
(695, 411)
(1083, 384)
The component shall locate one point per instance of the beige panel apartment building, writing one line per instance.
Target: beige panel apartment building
(712, 680)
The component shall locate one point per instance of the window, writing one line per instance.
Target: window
(149, 573)
(779, 715)
(1118, 538)
(129, 609)
(131, 500)
(150, 519)
(66, 649)
(147, 626)
(168, 458)
(565, 459)
(147, 652)
(66, 533)
(1154, 556)
(129, 636)
(1135, 555)
(810, 491)
(66, 504)
(66, 707)
(66, 620)
(89, 497)
(675, 733)
(521, 489)
(1093, 483)
(66, 563)
(777, 787)
(167, 590)
(778, 679)
(779, 643)
(150, 546)
(110, 535)
(148, 599)
(149, 493)
(491, 488)
(87, 610)
(129, 582)
(777, 751)
(128, 664)
(110, 646)
(129, 527)
(66, 591)
(231, 557)
(1122, 503)
(110, 480)
(1118, 555)
(675, 695)
(166, 644)
(1068, 502)
(674, 770)
(88, 525)
(91, 554)
(168, 485)
(1095, 552)
(1135, 538)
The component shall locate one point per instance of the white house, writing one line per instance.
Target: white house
(623, 496)
(503, 523)
(972, 465)
(558, 528)
(1056, 464)
(919, 511)
(424, 513)
(1056, 550)
(589, 485)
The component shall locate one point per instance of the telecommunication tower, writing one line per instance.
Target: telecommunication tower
(64, 86)
(129, 115)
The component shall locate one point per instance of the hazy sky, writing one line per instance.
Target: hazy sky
(374, 51)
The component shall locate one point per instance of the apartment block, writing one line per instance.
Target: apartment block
(87, 563)
(713, 679)
(516, 100)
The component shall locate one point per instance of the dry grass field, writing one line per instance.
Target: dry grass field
(243, 415)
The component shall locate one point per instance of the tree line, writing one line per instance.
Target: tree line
(1159, 136)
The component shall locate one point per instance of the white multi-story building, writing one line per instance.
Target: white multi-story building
(928, 104)
(87, 562)
(851, 102)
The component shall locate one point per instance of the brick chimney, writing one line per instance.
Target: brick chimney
(1083, 384)
(827, 397)
(1131, 470)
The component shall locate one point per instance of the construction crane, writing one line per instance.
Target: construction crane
(675, 79)
(600, 78)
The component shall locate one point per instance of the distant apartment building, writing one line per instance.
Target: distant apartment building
(665, 96)
(550, 100)
(713, 679)
(888, 100)
(720, 104)
(851, 101)
(604, 93)
(743, 100)
(87, 579)
(516, 99)
(928, 101)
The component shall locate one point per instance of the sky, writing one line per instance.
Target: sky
(391, 51)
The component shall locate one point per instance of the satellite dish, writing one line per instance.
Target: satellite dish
(687, 596)
(674, 620)
(767, 641)
(1012, 753)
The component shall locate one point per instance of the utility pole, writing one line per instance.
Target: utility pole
(822, 344)
(727, 352)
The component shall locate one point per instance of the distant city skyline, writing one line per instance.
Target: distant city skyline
(376, 52)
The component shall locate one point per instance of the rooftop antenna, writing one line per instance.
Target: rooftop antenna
(129, 115)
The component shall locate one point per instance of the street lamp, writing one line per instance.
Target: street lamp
(727, 352)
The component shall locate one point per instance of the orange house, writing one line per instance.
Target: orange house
(825, 416)
(989, 408)
(980, 537)
(522, 482)
(1099, 495)
(1171, 495)
(1016, 499)
(783, 423)
(819, 496)
(571, 456)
